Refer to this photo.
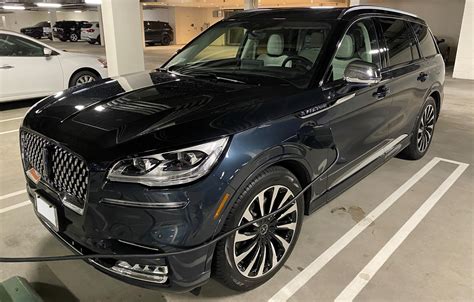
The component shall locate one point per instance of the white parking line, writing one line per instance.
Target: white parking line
(312, 269)
(368, 272)
(15, 206)
(11, 131)
(12, 194)
(11, 119)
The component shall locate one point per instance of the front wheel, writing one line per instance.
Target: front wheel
(165, 40)
(254, 254)
(83, 77)
(423, 133)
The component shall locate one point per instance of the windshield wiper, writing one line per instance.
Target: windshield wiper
(213, 76)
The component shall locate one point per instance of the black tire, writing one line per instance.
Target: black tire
(165, 40)
(78, 78)
(62, 39)
(423, 131)
(98, 39)
(91, 42)
(73, 37)
(227, 268)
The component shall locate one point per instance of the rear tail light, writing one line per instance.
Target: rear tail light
(90, 30)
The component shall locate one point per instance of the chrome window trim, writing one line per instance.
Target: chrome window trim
(378, 8)
(138, 204)
(368, 160)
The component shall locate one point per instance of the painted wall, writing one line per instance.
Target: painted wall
(156, 14)
(464, 66)
(188, 22)
(444, 17)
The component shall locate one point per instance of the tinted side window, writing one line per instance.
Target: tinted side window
(400, 41)
(359, 43)
(13, 46)
(426, 42)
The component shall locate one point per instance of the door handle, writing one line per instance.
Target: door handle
(6, 66)
(422, 76)
(381, 92)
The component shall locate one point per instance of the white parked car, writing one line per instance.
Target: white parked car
(91, 32)
(31, 69)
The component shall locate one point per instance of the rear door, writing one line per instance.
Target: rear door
(403, 73)
(25, 72)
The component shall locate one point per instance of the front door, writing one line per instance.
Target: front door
(359, 115)
(25, 72)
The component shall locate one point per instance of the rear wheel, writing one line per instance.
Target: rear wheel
(165, 40)
(254, 254)
(423, 133)
(73, 37)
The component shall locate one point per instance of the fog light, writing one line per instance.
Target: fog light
(144, 272)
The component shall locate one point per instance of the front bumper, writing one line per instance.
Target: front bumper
(184, 272)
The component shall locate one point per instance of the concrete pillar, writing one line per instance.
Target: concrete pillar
(250, 4)
(464, 64)
(101, 25)
(122, 29)
(52, 20)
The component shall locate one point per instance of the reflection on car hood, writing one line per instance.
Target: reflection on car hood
(155, 112)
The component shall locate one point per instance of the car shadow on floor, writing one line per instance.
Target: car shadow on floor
(18, 104)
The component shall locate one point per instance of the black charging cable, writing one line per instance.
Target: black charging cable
(156, 255)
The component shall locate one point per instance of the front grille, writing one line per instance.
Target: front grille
(62, 170)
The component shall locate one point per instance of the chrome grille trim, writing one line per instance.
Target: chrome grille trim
(63, 171)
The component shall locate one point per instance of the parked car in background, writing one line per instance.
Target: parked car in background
(68, 30)
(38, 31)
(31, 69)
(157, 32)
(91, 32)
(258, 108)
(444, 48)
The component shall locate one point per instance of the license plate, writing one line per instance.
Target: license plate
(47, 211)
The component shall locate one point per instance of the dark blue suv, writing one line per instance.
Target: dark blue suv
(258, 108)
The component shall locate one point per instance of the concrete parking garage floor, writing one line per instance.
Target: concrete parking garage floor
(382, 233)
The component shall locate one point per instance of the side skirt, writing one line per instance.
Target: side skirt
(340, 188)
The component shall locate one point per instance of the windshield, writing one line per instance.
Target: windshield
(283, 50)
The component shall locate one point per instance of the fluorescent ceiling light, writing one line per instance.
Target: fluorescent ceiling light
(13, 7)
(78, 11)
(93, 2)
(49, 5)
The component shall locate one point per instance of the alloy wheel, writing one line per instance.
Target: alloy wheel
(259, 248)
(425, 129)
(85, 79)
(73, 37)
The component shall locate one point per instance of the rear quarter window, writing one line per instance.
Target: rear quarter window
(425, 40)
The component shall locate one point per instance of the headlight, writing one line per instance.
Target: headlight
(169, 168)
(102, 62)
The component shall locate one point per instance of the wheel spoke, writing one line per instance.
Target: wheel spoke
(239, 237)
(274, 254)
(261, 202)
(246, 252)
(276, 189)
(283, 201)
(252, 262)
(288, 211)
(282, 241)
(289, 226)
(261, 266)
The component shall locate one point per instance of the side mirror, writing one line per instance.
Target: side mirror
(47, 52)
(360, 72)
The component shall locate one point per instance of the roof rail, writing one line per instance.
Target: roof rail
(361, 7)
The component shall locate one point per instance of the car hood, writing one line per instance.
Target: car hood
(156, 111)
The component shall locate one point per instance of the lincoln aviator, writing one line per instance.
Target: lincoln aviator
(268, 114)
